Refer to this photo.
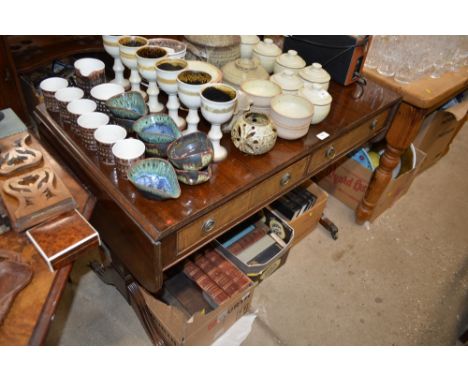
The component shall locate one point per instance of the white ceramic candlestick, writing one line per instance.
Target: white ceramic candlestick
(192, 121)
(215, 134)
(119, 76)
(173, 105)
(111, 45)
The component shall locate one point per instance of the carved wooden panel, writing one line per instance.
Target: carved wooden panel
(19, 157)
(34, 197)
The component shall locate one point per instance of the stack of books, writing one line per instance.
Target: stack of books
(204, 283)
(252, 241)
(294, 203)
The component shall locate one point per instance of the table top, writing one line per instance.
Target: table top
(425, 93)
(237, 173)
(28, 320)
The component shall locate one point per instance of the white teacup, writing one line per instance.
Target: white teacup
(64, 97)
(88, 123)
(127, 152)
(106, 136)
(78, 107)
(48, 87)
(101, 93)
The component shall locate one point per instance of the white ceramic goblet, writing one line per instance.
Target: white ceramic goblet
(189, 83)
(147, 58)
(218, 102)
(128, 45)
(167, 71)
(111, 45)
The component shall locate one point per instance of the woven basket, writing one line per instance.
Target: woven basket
(217, 50)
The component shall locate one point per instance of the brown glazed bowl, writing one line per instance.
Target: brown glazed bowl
(191, 152)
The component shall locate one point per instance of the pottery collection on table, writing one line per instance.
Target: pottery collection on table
(251, 90)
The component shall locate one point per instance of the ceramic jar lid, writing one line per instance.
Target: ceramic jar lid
(315, 94)
(315, 73)
(291, 60)
(267, 48)
(242, 69)
(288, 80)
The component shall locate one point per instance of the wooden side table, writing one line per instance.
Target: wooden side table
(419, 99)
(29, 317)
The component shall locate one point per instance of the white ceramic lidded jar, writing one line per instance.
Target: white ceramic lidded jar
(321, 100)
(315, 74)
(267, 52)
(289, 81)
(290, 60)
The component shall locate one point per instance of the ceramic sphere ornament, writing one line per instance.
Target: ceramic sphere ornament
(254, 133)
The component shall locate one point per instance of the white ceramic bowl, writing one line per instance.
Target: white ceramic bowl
(81, 106)
(87, 66)
(103, 92)
(291, 115)
(261, 92)
(69, 94)
(53, 84)
(109, 134)
(128, 149)
(93, 120)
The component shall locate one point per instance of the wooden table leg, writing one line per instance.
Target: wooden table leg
(401, 134)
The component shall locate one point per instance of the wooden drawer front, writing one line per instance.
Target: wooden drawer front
(278, 184)
(208, 225)
(341, 145)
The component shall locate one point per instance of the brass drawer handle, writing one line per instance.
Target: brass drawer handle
(373, 124)
(285, 179)
(330, 153)
(208, 225)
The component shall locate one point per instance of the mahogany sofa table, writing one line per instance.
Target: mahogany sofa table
(420, 98)
(147, 237)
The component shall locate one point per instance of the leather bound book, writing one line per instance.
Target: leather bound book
(212, 290)
(61, 240)
(246, 241)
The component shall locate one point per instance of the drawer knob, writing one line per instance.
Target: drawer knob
(208, 225)
(373, 124)
(330, 153)
(285, 179)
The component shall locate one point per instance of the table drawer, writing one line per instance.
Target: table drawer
(211, 223)
(356, 136)
(277, 184)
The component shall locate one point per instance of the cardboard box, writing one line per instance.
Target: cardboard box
(200, 329)
(306, 223)
(438, 131)
(348, 181)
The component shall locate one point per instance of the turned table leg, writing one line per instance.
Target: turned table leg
(401, 134)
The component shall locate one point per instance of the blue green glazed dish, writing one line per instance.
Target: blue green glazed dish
(191, 152)
(194, 177)
(158, 131)
(129, 105)
(155, 178)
